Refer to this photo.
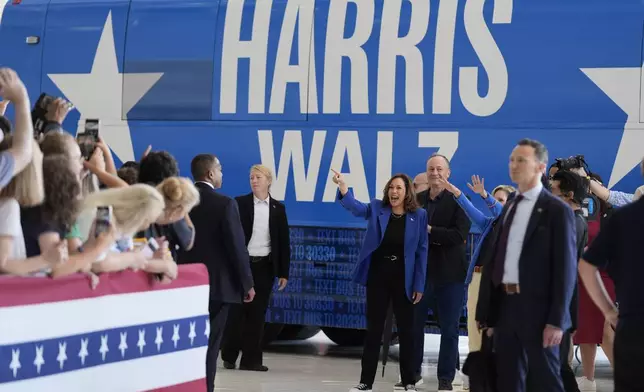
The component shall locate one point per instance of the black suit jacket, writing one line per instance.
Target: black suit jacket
(446, 259)
(547, 266)
(278, 229)
(219, 244)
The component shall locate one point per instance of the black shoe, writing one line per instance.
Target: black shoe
(444, 385)
(400, 387)
(229, 365)
(254, 368)
(360, 388)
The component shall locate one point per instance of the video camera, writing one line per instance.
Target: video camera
(575, 162)
(590, 204)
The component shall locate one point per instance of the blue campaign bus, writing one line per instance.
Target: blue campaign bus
(366, 87)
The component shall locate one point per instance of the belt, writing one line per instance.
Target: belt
(511, 288)
(478, 268)
(255, 259)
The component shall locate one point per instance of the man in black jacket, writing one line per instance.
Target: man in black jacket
(446, 270)
(220, 245)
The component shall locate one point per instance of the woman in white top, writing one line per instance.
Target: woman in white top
(25, 190)
(133, 209)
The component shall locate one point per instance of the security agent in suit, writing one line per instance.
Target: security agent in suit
(529, 278)
(446, 271)
(219, 244)
(268, 241)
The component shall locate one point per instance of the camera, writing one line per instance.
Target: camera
(575, 162)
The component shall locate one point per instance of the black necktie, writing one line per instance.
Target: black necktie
(502, 244)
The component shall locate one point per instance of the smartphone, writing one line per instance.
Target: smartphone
(103, 220)
(88, 138)
(91, 128)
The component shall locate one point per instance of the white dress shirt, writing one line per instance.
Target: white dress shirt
(260, 241)
(207, 183)
(517, 233)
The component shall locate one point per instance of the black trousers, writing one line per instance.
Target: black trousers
(385, 283)
(567, 374)
(245, 327)
(629, 354)
(218, 312)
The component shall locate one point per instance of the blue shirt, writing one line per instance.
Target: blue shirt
(7, 164)
(482, 221)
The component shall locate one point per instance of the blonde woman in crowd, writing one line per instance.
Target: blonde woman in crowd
(25, 190)
(180, 196)
(132, 208)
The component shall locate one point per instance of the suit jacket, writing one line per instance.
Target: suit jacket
(547, 266)
(377, 216)
(447, 261)
(278, 229)
(219, 244)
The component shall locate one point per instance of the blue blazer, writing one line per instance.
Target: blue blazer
(482, 221)
(416, 240)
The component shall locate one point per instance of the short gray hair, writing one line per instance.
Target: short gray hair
(540, 150)
(439, 155)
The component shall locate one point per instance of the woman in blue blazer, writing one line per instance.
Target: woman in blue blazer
(392, 265)
(495, 202)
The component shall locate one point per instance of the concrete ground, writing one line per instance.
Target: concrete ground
(317, 365)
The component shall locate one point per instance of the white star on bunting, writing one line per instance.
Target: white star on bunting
(62, 354)
(193, 333)
(141, 342)
(104, 348)
(15, 362)
(159, 339)
(175, 334)
(83, 353)
(123, 344)
(107, 94)
(40, 358)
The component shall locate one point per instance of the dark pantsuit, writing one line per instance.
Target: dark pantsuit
(447, 302)
(386, 282)
(629, 355)
(518, 342)
(567, 374)
(218, 314)
(245, 326)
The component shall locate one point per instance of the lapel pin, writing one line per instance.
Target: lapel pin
(539, 210)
